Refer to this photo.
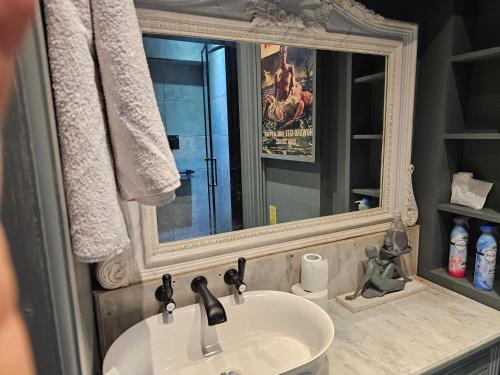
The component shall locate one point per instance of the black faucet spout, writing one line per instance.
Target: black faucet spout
(214, 309)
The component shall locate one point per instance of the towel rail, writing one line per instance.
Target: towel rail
(187, 172)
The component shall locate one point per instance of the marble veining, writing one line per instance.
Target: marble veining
(409, 336)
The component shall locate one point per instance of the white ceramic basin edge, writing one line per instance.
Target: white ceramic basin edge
(270, 333)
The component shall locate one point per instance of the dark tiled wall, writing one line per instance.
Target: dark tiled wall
(177, 75)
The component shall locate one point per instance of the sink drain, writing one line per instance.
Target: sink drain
(230, 372)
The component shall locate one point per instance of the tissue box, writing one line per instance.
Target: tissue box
(467, 191)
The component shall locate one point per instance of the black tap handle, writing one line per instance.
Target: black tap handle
(233, 277)
(167, 285)
(241, 268)
(165, 292)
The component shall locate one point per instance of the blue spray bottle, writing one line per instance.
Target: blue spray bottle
(486, 257)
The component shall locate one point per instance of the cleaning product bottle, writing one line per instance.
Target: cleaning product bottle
(459, 238)
(363, 204)
(486, 257)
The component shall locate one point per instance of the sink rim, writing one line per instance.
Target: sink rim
(329, 340)
(323, 315)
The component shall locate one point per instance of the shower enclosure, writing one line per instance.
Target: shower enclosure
(210, 157)
(195, 86)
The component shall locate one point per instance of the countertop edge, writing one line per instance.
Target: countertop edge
(453, 360)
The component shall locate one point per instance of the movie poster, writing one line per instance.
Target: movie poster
(287, 89)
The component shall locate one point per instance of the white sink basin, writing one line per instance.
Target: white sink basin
(269, 333)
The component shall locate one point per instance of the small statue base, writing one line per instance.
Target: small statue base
(361, 303)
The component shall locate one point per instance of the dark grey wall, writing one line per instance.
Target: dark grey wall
(293, 188)
(301, 190)
(21, 219)
(56, 302)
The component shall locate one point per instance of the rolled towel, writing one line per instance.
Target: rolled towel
(145, 167)
(97, 226)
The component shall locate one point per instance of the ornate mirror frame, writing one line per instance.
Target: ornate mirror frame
(340, 25)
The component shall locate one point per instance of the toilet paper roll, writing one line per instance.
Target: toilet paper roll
(319, 298)
(313, 273)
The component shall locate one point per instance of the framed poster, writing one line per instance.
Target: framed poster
(288, 104)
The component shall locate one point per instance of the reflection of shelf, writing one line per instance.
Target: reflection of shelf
(368, 192)
(466, 136)
(465, 287)
(487, 214)
(367, 136)
(176, 61)
(480, 55)
(377, 77)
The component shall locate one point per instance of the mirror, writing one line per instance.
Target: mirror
(307, 143)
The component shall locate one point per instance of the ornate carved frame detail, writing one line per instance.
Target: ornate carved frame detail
(287, 22)
(294, 13)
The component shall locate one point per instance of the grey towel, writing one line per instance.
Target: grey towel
(145, 169)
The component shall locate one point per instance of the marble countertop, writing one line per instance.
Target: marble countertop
(412, 335)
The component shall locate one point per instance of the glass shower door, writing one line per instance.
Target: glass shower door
(210, 161)
(194, 95)
(216, 137)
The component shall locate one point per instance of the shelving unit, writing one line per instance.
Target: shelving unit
(476, 56)
(486, 214)
(460, 133)
(465, 286)
(375, 193)
(371, 78)
(471, 136)
(367, 120)
(176, 62)
(367, 136)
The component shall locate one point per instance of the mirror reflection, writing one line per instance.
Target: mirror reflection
(265, 134)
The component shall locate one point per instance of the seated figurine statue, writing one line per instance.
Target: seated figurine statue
(378, 278)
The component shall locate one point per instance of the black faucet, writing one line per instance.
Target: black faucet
(165, 292)
(233, 277)
(214, 309)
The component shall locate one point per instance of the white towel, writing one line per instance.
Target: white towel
(145, 169)
(97, 226)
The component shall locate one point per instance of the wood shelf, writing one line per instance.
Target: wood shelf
(364, 135)
(367, 136)
(368, 192)
(470, 135)
(178, 62)
(477, 56)
(487, 214)
(464, 118)
(465, 286)
(372, 78)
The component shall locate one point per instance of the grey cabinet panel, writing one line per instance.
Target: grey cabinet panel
(485, 362)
